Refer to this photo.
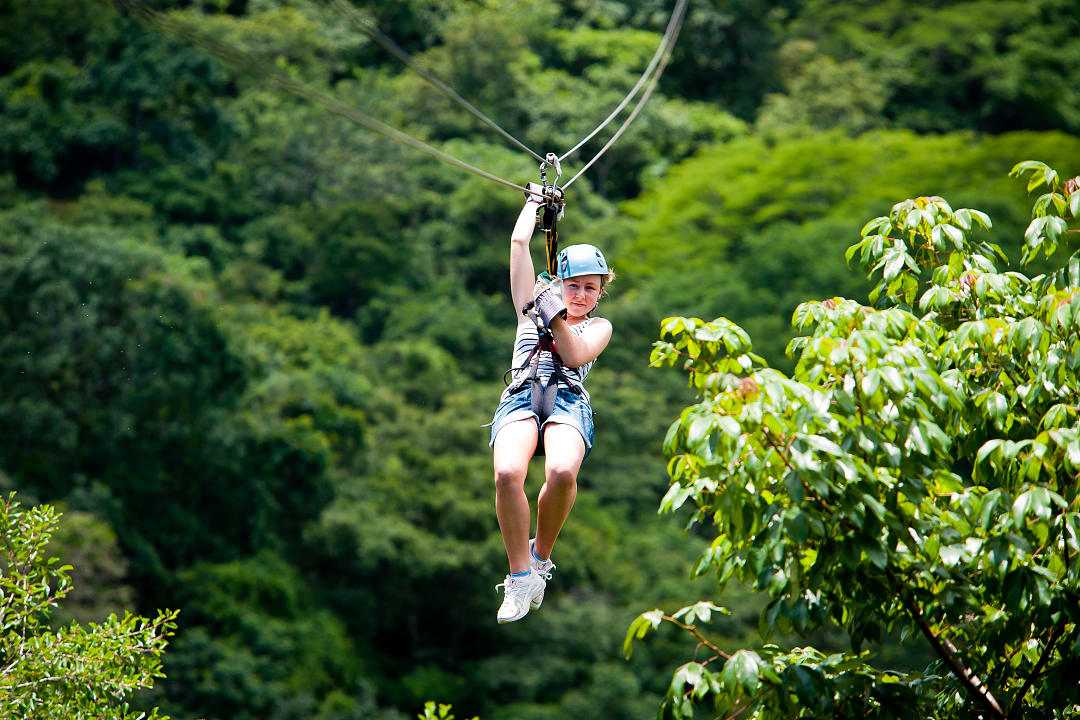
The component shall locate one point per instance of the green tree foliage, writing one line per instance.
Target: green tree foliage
(99, 568)
(258, 344)
(438, 711)
(982, 64)
(727, 51)
(821, 94)
(118, 372)
(78, 670)
(753, 221)
(262, 647)
(914, 475)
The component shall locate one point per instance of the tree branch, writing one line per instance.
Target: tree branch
(702, 640)
(1046, 653)
(948, 652)
(1055, 635)
(738, 712)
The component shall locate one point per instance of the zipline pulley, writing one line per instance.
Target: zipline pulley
(552, 204)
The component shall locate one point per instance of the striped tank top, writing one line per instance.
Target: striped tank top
(525, 340)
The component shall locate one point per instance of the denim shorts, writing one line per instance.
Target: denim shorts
(571, 409)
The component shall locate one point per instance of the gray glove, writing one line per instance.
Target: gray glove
(535, 193)
(549, 303)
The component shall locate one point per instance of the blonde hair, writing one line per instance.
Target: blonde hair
(605, 281)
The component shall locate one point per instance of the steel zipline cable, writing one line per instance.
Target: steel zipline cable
(680, 9)
(243, 61)
(671, 33)
(394, 49)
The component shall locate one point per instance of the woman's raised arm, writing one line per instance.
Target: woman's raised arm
(522, 275)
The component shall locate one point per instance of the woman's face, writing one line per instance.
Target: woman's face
(580, 294)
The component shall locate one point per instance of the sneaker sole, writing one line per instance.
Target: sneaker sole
(513, 619)
(537, 600)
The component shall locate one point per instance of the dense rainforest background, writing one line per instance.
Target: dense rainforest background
(249, 347)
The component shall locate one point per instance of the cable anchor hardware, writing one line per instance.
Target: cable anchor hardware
(553, 204)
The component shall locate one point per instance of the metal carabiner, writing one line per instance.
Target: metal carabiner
(554, 199)
(553, 160)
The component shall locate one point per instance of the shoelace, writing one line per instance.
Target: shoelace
(512, 586)
(546, 571)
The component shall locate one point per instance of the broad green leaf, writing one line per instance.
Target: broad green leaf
(823, 444)
(697, 433)
(954, 234)
(1035, 501)
(700, 611)
(1072, 453)
(641, 625)
(982, 218)
(917, 441)
(1055, 417)
(728, 425)
(1027, 165)
(894, 265)
(671, 437)
(997, 405)
(671, 326)
(875, 226)
(1055, 227)
(850, 252)
(675, 497)
(1035, 230)
(951, 554)
(892, 378)
(874, 506)
(870, 383)
(742, 671)
(988, 448)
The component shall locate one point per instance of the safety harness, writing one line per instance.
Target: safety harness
(542, 394)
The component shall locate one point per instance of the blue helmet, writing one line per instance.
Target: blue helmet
(581, 260)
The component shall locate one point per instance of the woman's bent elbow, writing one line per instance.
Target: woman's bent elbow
(575, 361)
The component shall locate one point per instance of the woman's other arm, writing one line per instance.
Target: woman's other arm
(522, 275)
(577, 350)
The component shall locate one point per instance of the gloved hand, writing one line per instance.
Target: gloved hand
(547, 297)
(534, 193)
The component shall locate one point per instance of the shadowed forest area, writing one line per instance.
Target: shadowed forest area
(250, 347)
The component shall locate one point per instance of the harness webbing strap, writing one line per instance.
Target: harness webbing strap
(541, 394)
(545, 343)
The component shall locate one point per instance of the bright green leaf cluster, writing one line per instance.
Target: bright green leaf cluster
(915, 475)
(75, 671)
(437, 711)
(1052, 210)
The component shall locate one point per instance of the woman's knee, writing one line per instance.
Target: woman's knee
(561, 476)
(510, 477)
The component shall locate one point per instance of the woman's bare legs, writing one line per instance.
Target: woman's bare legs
(564, 450)
(514, 447)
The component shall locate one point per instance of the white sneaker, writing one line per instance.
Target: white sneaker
(518, 595)
(543, 568)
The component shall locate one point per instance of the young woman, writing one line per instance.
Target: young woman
(562, 428)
